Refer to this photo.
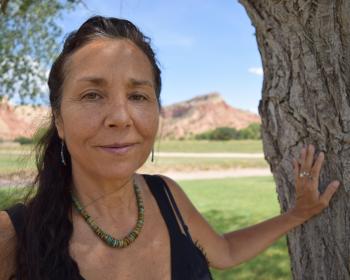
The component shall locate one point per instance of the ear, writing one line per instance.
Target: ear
(59, 125)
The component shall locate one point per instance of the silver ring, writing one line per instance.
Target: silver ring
(305, 174)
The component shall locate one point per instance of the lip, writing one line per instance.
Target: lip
(118, 148)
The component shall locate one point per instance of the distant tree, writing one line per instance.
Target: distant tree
(251, 132)
(223, 133)
(219, 133)
(28, 43)
(203, 136)
(23, 140)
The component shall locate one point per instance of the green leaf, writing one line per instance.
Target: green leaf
(28, 45)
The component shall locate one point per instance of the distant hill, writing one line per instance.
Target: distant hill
(200, 114)
(183, 119)
(21, 120)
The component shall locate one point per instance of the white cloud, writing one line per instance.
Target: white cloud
(256, 71)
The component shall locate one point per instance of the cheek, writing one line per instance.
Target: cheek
(147, 122)
(79, 122)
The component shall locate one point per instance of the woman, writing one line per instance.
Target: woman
(93, 216)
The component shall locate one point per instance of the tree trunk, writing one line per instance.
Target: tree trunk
(305, 51)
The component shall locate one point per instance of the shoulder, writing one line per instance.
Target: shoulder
(7, 245)
(183, 202)
(192, 216)
(7, 231)
(172, 184)
(214, 244)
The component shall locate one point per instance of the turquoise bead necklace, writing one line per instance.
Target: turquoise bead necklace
(107, 238)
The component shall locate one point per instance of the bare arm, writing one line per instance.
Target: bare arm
(246, 243)
(7, 246)
(232, 248)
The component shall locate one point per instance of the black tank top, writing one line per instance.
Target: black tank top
(187, 261)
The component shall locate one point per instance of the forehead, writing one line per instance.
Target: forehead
(109, 58)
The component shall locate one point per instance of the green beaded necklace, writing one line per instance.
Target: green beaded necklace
(108, 239)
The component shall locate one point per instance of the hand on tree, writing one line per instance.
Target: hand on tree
(309, 201)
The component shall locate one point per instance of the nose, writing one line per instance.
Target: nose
(118, 115)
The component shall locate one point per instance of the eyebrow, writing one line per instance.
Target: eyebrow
(101, 81)
(94, 80)
(134, 82)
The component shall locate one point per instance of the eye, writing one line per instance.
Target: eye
(138, 97)
(91, 96)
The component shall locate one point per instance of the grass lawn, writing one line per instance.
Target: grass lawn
(234, 203)
(163, 164)
(9, 196)
(205, 146)
(230, 204)
(192, 146)
(15, 159)
(14, 162)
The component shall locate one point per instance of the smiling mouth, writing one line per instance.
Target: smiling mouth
(118, 149)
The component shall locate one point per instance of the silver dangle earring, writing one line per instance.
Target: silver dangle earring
(62, 154)
(152, 155)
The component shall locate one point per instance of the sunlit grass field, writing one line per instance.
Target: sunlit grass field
(10, 163)
(16, 158)
(234, 203)
(193, 146)
(230, 204)
(205, 146)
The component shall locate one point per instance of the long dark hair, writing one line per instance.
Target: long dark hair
(43, 246)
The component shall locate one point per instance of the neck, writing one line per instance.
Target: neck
(104, 197)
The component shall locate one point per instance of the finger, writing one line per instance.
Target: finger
(302, 159)
(309, 160)
(328, 193)
(315, 172)
(296, 168)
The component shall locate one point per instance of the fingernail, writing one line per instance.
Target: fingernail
(336, 184)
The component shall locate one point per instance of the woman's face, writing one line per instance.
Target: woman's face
(109, 112)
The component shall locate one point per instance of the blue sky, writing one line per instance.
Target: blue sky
(202, 45)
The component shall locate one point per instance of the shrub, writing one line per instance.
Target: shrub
(203, 136)
(220, 133)
(229, 133)
(253, 131)
(224, 133)
(24, 140)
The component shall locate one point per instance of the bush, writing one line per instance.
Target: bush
(253, 132)
(203, 136)
(24, 140)
(224, 133)
(36, 137)
(228, 133)
(220, 133)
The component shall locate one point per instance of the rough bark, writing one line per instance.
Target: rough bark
(305, 51)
